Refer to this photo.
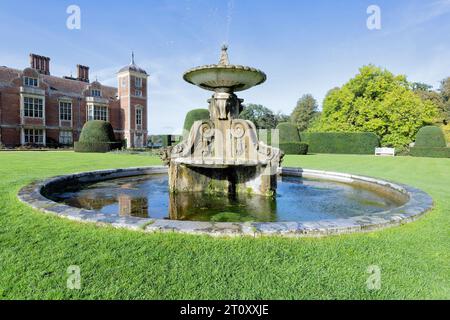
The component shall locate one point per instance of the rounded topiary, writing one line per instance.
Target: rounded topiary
(192, 116)
(288, 133)
(430, 137)
(97, 131)
(294, 148)
(97, 136)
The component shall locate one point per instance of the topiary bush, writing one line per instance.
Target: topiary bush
(288, 132)
(430, 152)
(430, 137)
(97, 131)
(100, 147)
(430, 142)
(294, 148)
(265, 135)
(341, 142)
(97, 136)
(191, 117)
(446, 130)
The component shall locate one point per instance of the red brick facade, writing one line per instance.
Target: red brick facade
(38, 108)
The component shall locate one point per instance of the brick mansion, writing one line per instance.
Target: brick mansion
(37, 108)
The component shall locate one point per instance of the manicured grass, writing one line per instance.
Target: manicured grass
(36, 249)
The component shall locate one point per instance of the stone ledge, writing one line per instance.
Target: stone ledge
(418, 204)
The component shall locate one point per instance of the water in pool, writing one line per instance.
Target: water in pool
(298, 199)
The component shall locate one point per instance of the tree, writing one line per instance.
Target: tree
(376, 100)
(281, 117)
(435, 98)
(441, 98)
(419, 86)
(445, 93)
(304, 112)
(262, 117)
(445, 89)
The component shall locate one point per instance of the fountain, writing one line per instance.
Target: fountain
(221, 180)
(222, 154)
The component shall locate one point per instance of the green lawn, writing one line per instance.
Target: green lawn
(36, 249)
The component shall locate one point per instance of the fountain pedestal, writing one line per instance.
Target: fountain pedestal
(223, 153)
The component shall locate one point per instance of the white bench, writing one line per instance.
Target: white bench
(385, 152)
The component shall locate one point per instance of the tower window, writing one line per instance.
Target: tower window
(138, 82)
(138, 93)
(138, 116)
(65, 111)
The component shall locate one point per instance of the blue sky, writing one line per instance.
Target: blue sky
(303, 46)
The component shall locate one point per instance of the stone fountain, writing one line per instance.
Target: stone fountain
(223, 153)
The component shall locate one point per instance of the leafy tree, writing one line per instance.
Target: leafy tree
(262, 117)
(435, 98)
(281, 117)
(304, 112)
(419, 86)
(441, 98)
(445, 93)
(376, 100)
(445, 89)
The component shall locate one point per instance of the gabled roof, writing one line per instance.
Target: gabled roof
(64, 86)
(8, 74)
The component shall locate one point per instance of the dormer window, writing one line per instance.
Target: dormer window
(96, 93)
(138, 82)
(138, 93)
(30, 82)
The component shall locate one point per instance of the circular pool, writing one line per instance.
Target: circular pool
(308, 202)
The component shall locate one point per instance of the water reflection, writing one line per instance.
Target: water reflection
(133, 207)
(297, 200)
(221, 208)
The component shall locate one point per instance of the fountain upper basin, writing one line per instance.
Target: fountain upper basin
(226, 78)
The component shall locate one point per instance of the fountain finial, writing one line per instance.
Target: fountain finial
(224, 56)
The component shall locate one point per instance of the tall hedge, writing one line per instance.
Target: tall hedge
(430, 137)
(288, 132)
(191, 117)
(97, 136)
(341, 142)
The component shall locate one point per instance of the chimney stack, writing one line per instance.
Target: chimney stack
(40, 63)
(83, 73)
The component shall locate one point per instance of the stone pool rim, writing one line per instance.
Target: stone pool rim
(418, 204)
